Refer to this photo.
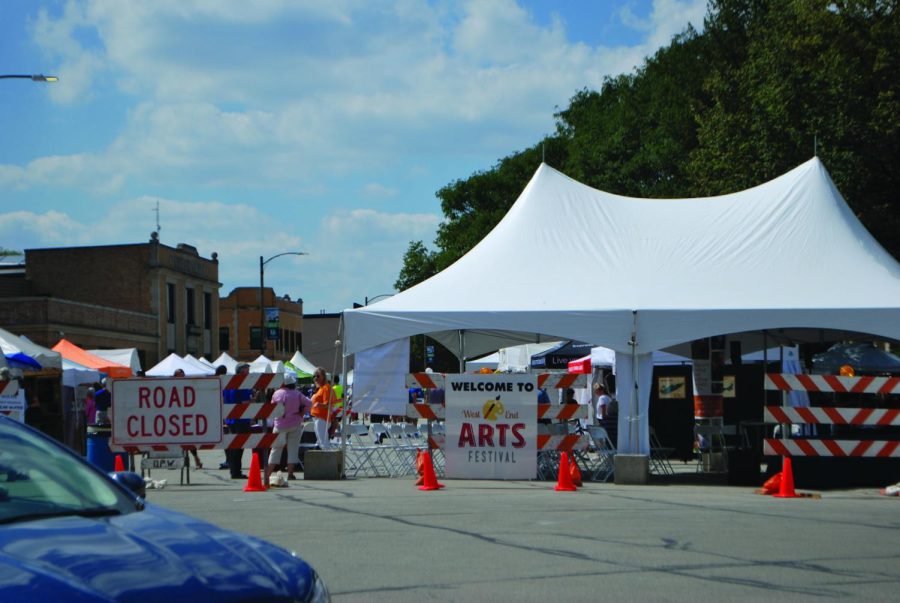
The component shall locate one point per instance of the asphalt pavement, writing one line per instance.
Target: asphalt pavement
(382, 539)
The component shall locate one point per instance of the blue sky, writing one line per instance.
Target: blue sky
(287, 125)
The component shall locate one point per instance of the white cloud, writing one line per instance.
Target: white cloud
(262, 120)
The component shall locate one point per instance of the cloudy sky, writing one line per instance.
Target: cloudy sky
(270, 126)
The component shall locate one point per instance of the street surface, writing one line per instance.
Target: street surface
(380, 539)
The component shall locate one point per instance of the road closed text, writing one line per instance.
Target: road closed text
(167, 411)
(165, 424)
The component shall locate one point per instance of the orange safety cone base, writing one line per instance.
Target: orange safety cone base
(564, 480)
(254, 481)
(787, 480)
(430, 482)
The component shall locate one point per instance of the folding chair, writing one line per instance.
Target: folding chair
(606, 452)
(363, 454)
(659, 456)
(308, 428)
(393, 456)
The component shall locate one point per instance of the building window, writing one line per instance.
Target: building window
(191, 306)
(170, 303)
(255, 338)
(224, 344)
(207, 310)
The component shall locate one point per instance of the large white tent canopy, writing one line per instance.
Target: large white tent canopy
(786, 254)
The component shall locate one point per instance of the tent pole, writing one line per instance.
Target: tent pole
(635, 431)
(462, 350)
(346, 407)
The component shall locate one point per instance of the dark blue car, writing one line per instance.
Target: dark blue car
(69, 532)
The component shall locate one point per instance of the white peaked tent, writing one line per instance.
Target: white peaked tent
(13, 344)
(786, 254)
(301, 365)
(126, 356)
(168, 365)
(229, 362)
(261, 365)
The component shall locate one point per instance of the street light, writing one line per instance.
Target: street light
(262, 311)
(39, 77)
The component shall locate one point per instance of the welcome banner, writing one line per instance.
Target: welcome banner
(491, 427)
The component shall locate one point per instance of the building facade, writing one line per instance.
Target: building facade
(149, 296)
(248, 328)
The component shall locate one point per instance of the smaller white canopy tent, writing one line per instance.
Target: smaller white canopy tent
(168, 365)
(13, 344)
(75, 374)
(126, 356)
(229, 362)
(302, 366)
(261, 365)
(200, 364)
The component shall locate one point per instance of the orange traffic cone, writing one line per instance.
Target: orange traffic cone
(254, 481)
(564, 480)
(787, 480)
(575, 472)
(431, 482)
(420, 467)
(120, 464)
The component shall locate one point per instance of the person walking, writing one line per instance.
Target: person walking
(296, 405)
(235, 456)
(322, 403)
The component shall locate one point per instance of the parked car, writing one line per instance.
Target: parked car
(69, 532)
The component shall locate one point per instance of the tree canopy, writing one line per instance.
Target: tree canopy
(764, 86)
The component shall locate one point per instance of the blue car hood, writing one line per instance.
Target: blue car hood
(146, 556)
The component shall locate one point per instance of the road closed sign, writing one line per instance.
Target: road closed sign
(167, 411)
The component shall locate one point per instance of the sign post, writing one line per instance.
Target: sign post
(491, 427)
(167, 411)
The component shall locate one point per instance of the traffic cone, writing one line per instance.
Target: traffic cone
(787, 480)
(564, 480)
(575, 472)
(120, 464)
(254, 481)
(420, 467)
(431, 482)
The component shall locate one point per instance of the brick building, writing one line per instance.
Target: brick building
(240, 325)
(149, 296)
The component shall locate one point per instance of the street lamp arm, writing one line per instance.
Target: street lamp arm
(38, 77)
(264, 262)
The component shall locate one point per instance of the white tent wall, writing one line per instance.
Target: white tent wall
(126, 356)
(675, 271)
(379, 379)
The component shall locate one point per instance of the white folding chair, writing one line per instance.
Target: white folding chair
(308, 428)
(604, 466)
(659, 456)
(363, 454)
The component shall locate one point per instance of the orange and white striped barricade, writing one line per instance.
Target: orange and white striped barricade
(814, 447)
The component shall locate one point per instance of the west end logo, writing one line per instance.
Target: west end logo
(492, 409)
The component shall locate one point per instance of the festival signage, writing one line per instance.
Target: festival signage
(167, 411)
(13, 405)
(491, 427)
